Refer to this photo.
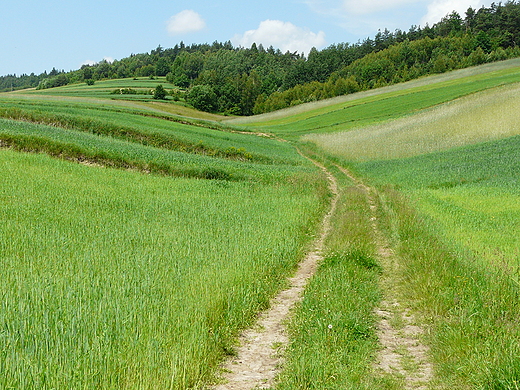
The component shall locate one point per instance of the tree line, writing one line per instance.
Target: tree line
(222, 78)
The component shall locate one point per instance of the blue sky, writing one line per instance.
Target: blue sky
(38, 35)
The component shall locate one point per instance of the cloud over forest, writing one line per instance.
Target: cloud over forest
(282, 35)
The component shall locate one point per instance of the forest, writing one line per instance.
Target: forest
(219, 77)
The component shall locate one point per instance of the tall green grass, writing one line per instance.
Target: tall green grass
(113, 279)
(81, 146)
(333, 332)
(448, 180)
(460, 259)
(472, 308)
(472, 193)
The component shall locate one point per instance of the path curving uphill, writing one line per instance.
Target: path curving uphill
(260, 353)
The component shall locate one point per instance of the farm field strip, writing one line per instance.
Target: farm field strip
(104, 89)
(119, 153)
(100, 96)
(379, 107)
(163, 131)
(483, 116)
(133, 280)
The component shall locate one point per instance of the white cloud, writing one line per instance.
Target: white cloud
(184, 22)
(109, 59)
(282, 35)
(440, 8)
(88, 62)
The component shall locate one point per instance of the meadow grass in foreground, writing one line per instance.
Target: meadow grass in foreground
(459, 256)
(113, 279)
(472, 308)
(333, 332)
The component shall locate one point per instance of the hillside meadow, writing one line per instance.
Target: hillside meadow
(109, 93)
(139, 267)
(479, 117)
(366, 108)
(447, 178)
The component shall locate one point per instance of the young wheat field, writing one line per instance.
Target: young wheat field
(139, 239)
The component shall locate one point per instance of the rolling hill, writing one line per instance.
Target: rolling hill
(140, 238)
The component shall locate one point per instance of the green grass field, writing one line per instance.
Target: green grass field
(138, 277)
(102, 94)
(448, 177)
(483, 116)
(152, 129)
(104, 89)
(142, 277)
(114, 279)
(471, 192)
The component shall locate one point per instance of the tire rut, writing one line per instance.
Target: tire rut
(260, 353)
(402, 353)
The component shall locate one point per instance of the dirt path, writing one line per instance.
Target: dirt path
(402, 354)
(259, 356)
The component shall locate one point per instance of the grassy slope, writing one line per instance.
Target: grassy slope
(310, 108)
(117, 279)
(153, 129)
(472, 192)
(104, 89)
(482, 116)
(458, 247)
(101, 94)
(381, 105)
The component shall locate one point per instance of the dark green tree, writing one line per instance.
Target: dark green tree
(159, 93)
(203, 98)
(162, 68)
(87, 72)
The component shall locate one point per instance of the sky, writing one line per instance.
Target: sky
(36, 35)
